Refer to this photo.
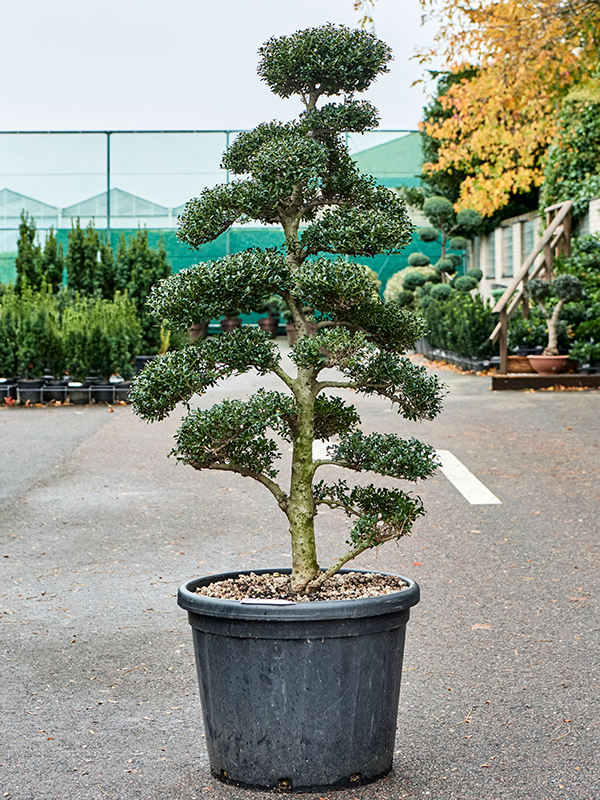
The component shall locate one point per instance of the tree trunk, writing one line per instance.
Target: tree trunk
(552, 348)
(301, 507)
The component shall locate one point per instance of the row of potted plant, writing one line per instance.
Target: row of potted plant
(56, 333)
(61, 390)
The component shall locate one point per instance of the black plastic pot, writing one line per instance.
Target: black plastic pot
(141, 361)
(55, 390)
(122, 391)
(104, 392)
(8, 389)
(299, 697)
(79, 393)
(30, 390)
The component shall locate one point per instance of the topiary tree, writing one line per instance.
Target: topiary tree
(447, 226)
(582, 317)
(297, 174)
(565, 288)
(419, 260)
(441, 292)
(476, 273)
(445, 266)
(414, 279)
(465, 283)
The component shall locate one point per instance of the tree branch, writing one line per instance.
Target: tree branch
(314, 585)
(274, 488)
(336, 385)
(336, 504)
(281, 373)
(322, 462)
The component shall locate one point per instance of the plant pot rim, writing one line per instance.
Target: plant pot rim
(543, 358)
(353, 608)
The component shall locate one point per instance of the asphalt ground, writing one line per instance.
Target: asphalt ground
(501, 684)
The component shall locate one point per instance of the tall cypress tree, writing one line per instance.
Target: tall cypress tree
(89, 262)
(138, 267)
(52, 261)
(29, 254)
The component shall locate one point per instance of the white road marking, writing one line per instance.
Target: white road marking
(467, 484)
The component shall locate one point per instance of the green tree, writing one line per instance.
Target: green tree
(52, 262)
(38, 332)
(138, 267)
(89, 262)
(29, 254)
(300, 175)
(572, 169)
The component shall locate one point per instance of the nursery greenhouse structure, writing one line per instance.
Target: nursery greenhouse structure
(122, 180)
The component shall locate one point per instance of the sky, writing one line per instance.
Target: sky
(178, 64)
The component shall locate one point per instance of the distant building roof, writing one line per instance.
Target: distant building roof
(13, 203)
(395, 163)
(122, 204)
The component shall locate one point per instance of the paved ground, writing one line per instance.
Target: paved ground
(501, 689)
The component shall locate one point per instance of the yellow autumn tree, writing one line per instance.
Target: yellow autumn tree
(365, 9)
(527, 55)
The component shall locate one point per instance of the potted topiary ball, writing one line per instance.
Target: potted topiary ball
(563, 288)
(299, 684)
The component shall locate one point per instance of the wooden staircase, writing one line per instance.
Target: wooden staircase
(555, 241)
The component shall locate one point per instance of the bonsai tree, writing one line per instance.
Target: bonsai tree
(565, 288)
(295, 174)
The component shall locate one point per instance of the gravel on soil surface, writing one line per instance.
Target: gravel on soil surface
(274, 585)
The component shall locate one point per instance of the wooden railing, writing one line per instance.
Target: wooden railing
(556, 239)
